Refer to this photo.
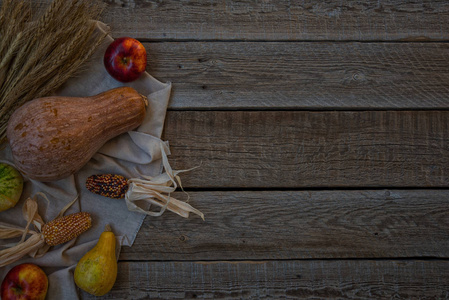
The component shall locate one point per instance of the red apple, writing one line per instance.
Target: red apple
(24, 281)
(125, 59)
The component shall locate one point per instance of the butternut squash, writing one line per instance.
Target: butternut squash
(53, 137)
(96, 271)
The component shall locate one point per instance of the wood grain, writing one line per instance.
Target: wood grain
(303, 75)
(300, 224)
(279, 20)
(321, 129)
(300, 149)
(348, 279)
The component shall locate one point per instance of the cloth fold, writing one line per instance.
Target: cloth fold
(132, 154)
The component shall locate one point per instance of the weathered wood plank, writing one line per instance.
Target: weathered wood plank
(397, 279)
(303, 75)
(298, 225)
(292, 149)
(279, 20)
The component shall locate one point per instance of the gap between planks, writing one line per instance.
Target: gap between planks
(406, 41)
(262, 261)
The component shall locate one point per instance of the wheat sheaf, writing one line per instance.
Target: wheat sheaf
(40, 48)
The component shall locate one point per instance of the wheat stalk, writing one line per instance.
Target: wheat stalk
(39, 52)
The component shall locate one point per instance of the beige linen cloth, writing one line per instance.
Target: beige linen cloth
(133, 154)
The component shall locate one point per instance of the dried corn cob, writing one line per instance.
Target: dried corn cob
(108, 185)
(64, 229)
(58, 231)
(154, 190)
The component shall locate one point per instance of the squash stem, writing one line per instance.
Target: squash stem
(145, 100)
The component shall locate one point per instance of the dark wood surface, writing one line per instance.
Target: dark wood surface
(280, 279)
(303, 75)
(280, 20)
(310, 149)
(291, 225)
(322, 133)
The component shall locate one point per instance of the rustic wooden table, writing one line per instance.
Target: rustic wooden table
(322, 130)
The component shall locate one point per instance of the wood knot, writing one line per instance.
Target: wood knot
(358, 76)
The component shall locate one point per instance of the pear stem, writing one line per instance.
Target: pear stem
(107, 227)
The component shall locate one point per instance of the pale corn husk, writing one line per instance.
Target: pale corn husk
(34, 245)
(156, 191)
